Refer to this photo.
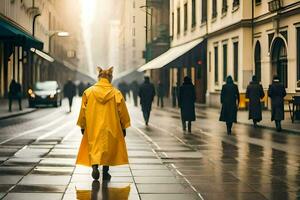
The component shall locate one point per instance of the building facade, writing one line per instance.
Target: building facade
(30, 26)
(132, 35)
(242, 38)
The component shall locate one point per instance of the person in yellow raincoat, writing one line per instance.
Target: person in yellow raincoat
(103, 120)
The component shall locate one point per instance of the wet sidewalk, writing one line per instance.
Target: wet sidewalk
(214, 114)
(45, 169)
(4, 113)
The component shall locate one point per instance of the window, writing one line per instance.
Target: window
(133, 4)
(257, 2)
(204, 11)
(214, 8)
(178, 20)
(193, 13)
(216, 65)
(236, 60)
(185, 17)
(224, 62)
(257, 59)
(133, 32)
(298, 55)
(224, 6)
(172, 23)
(236, 3)
(133, 19)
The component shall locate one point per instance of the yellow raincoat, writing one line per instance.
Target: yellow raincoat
(103, 116)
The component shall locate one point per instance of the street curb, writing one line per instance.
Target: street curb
(18, 114)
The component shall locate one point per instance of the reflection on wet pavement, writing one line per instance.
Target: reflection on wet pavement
(104, 192)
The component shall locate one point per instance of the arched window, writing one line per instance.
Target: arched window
(257, 59)
(279, 61)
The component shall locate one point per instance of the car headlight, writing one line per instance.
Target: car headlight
(30, 91)
(32, 95)
(52, 96)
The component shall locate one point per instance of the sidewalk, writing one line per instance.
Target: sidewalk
(214, 113)
(4, 113)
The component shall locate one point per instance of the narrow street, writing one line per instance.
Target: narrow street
(38, 153)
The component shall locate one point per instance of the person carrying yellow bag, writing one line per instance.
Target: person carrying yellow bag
(103, 120)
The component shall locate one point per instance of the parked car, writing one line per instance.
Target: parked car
(46, 93)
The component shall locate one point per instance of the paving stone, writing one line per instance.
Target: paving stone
(9, 179)
(152, 173)
(158, 180)
(168, 197)
(33, 196)
(163, 188)
(38, 188)
(45, 180)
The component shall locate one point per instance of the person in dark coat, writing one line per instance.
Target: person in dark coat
(134, 87)
(175, 95)
(146, 94)
(160, 94)
(230, 99)
(186, 102)
(255, 93)
(124, 89)
(15, 93)
(81, 88)
(70, 92)
(277, 93)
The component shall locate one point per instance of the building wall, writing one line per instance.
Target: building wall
(132, 35)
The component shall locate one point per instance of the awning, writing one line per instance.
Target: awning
(170, 55)
(9, 31)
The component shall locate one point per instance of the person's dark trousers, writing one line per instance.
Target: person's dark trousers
(160, 101)
(189, 126)
(255, 123)
(229, 126)
(278, 125)
(70, 102)
(146, 115)
(135, 100)
(9, 103)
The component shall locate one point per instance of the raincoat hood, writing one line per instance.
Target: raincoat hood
(103, 91)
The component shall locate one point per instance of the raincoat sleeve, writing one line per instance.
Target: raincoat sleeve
(123, 112)
(81, 119)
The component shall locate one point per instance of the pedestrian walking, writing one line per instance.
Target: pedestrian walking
(15, 93)
(103, 120)
(81, 87)
(146, 94)
(123, 87)
(160, 94)
(134, 87)
(186, 101)
(255, 93)
(230, 99)
(175, 91)
(277, 93)
(70, 92)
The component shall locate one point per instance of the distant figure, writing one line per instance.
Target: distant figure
(230, 99)
(186, 101)
(103, 120)
(123, 87)
(81, 87)
(134, 87)
(70, 92)
(277, 93)
(146, 93)
(15, 93)
(255, 93)
(160, 94)
(175, 91)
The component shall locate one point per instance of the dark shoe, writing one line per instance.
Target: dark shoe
(95, 173)
(106, 176)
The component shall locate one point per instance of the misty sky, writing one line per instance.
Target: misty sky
(96, 15)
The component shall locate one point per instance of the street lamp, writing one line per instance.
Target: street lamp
(59, 34)
(150, 14)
